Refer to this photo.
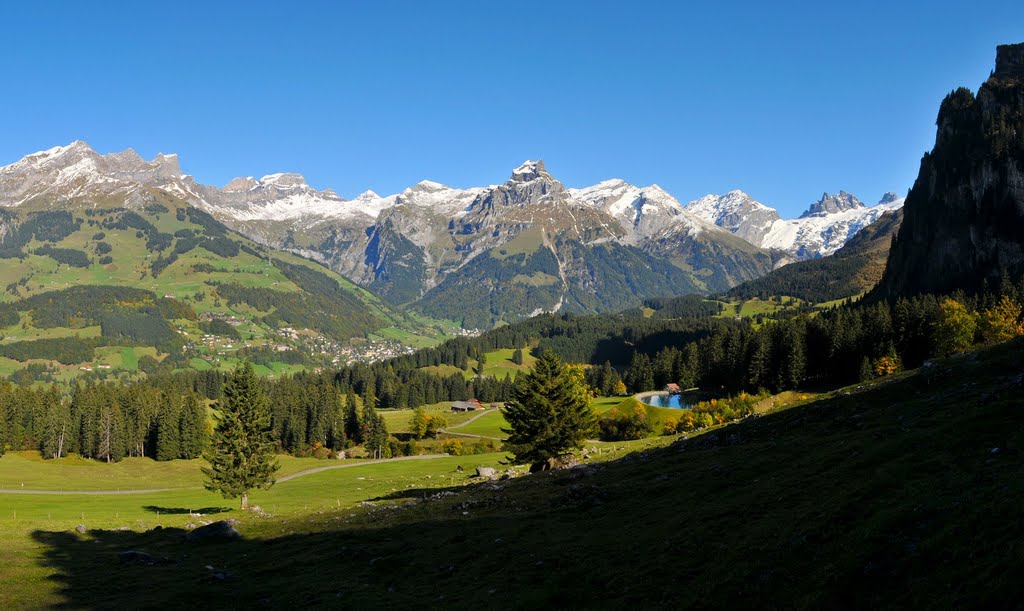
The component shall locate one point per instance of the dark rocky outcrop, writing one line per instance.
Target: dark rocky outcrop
(964, 217)
(222, 530)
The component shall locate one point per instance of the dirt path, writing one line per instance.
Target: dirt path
(93, 492)
(473, 419)
(359, 463)
(346, 465)
(449, 430)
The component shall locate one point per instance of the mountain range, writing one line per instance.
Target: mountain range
(480, 255)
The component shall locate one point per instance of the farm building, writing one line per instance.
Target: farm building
(466, 406)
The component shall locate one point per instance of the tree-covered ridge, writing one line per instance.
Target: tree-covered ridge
(42, 226)
(492, 288)
(159, 277)
(853, 269)
(836, 347)
(582, 279)
(686, 306)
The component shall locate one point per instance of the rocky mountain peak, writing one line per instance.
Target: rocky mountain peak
(888, 198)
(428, 186)
(240, 184)
(830, 204)
(284, 181)
(1010, 60)
(964, 216)
(529, 171)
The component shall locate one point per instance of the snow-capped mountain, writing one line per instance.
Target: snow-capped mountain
(77, 171)
(642, 211)
(736, 212)
(507, 250)
(821, 230)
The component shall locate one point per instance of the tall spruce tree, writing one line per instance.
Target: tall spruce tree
(377, 434)
(242, 454)
(168, 431)
(353, 432)
(195, 436)
(549, 413)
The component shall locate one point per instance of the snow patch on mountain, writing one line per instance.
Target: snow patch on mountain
(821, 234)
(737, 213)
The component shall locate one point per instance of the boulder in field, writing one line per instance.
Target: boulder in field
(217, 531)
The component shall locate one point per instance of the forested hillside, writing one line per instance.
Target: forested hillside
(853, 269)
(94, 292)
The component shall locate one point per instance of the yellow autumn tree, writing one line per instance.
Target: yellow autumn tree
(1002, 322)
(955, 330)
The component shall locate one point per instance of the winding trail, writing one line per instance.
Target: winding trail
(347, 465)
(360, 464)
(449, 430)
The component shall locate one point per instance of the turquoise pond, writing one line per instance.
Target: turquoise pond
(672, 401)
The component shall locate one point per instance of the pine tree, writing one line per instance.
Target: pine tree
(110, 446)
(517, 356)
(353, 432)
(57, 431)
(377, 435)
(549, 413)
(195, 435)
(241, 457)
(866, 371)
(480, 364)
(168, 431)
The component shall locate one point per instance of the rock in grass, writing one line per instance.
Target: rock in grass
(217, 531)
(81, 529)
(485, 472)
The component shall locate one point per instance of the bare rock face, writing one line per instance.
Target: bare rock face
(964, 218)
(1010, 61)
(831, 204)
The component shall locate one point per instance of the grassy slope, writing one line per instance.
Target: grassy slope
(132, 261)
(889, 493)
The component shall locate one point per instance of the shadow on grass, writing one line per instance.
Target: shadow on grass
(183, 510)
(892, 497)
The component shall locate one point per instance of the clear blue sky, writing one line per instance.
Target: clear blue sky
(782, 99)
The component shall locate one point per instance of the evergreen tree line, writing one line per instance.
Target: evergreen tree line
(839, 346)
(104, 421)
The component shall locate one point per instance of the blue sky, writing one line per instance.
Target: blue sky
(782, 99)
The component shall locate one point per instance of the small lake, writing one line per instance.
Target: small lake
(672, 401)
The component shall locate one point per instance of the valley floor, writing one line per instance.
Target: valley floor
(900, 493)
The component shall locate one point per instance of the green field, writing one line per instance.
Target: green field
(398, 420)
(490, 423)
(498, 364)
(874, 495)
(30, 524)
